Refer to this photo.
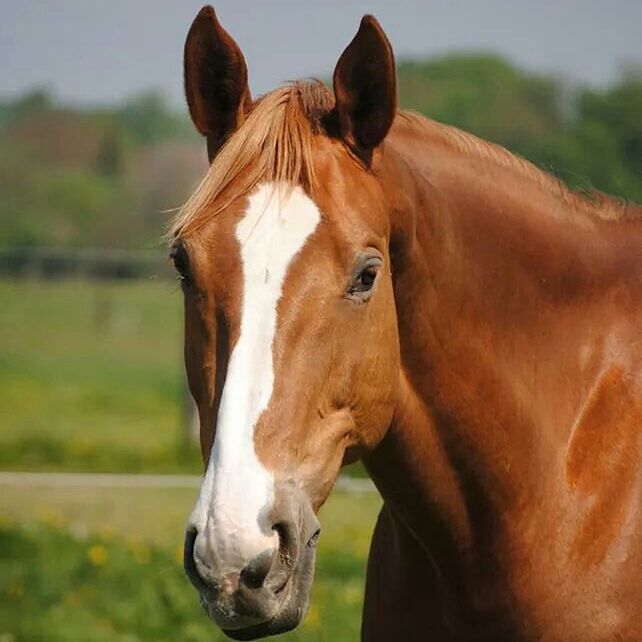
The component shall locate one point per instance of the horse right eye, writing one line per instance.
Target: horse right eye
(181, 262)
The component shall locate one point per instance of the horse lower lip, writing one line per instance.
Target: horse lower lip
(238, 631)
(242, 624)
(248, 633)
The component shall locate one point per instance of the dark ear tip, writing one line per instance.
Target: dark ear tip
(207, 14)
(370, 22)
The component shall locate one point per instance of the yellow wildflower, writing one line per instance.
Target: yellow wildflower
(97, 555)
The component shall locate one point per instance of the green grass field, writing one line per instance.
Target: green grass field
(79, 564)
(91, 377)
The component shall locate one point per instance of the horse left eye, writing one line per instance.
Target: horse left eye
(365, 280)
(360, 288)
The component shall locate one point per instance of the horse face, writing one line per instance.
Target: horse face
(292, 356)
(291, 344)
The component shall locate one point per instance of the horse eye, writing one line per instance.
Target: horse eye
(365, 280)
(181, 262)
(362, 283)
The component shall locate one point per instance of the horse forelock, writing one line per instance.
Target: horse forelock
(274, 144)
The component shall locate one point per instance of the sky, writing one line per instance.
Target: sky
(92, 52)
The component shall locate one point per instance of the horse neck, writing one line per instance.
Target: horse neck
(496, 284)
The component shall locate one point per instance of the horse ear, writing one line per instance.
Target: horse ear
(216, 86)
(365, 88)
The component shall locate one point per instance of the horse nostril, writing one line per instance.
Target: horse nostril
(202, 578)
(189, 563)
(256, 570)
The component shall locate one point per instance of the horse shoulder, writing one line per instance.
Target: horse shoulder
(604, 469)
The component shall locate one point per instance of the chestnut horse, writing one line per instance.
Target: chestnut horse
(364, 283)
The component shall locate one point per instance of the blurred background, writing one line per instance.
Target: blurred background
(96, 151)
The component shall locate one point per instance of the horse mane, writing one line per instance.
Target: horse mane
(592, 201)
(274, 143)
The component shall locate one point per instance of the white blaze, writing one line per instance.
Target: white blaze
(237, 493)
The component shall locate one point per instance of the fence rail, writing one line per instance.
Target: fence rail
(92, 263)
(118, 480)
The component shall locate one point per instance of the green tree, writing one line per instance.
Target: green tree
(148, 119)
(485, 95)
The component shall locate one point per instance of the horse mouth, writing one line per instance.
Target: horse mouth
(292, 606)
(284, 609)
(272, 626)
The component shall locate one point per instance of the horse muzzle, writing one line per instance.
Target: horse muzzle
(268, 593)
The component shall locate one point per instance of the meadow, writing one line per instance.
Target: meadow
(91, 379)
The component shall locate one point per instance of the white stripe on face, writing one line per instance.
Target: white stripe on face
(233, 508)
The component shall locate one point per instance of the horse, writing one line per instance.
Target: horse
(362, 283)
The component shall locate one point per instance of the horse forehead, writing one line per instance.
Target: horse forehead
(275, 224)
(258, 237)
(272, 230)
